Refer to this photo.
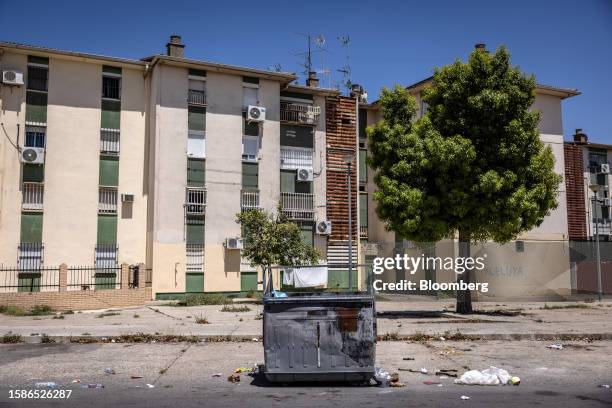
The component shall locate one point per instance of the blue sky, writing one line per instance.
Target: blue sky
(564, 43)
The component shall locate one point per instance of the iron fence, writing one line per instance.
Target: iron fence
(93, 278)
(29, 280)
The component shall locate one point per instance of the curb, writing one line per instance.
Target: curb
(166, 339)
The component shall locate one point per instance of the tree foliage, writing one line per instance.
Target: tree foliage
(270, 240)
(474, 163)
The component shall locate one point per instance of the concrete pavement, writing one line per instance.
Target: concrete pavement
(182, 375)
(396, 320)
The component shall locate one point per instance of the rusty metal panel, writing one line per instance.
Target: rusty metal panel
(327, 337)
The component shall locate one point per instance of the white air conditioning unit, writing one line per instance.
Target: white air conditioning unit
(32, 155)
(12, 77)
(304, 174)
(127, 198)
(605, 168)
(607, 202)
(233, 243)
(256, 113)
(324, 227)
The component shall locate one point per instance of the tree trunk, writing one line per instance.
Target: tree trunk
(464, 297)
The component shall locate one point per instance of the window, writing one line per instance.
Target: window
(250, 95)
(111, 87)
(250, 176)
(196, 172)
(35, 136)
(196, 144)
(250, 148)
(424, 107)
(197, 92)
(106, 256)
(196, 119)
(363, 167)
(37, 77)
(30, 256)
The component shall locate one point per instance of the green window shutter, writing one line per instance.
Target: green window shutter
(197, 118)
(363, 167)
(194, 282)
(36, 107)
(107, 229)
(111, 114)
(296, 136)
(307, 230)
(34, 173)
(363, 209)
(250, 175)
(196, 172)
(31, 227)
(248, 281)
(287, 181)
(195, 229)
(363, 123)
(109, 171)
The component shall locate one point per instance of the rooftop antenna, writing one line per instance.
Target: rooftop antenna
(319, 42)
(345, 70)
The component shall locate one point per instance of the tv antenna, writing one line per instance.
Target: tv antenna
(345, 70)
(319, 47)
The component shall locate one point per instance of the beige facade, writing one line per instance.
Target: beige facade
(152, 162)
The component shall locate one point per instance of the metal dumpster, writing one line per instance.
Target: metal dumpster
(319, 336)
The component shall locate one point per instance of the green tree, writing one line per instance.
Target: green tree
(473, 165)
(273, 240)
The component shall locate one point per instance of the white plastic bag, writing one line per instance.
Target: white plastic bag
(490, 376)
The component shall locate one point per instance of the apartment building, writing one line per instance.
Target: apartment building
(536, 263)
(108, 161)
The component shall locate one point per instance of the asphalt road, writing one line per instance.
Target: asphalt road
(182, 375)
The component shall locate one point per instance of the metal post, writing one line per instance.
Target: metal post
(599, 289)
(350, 229)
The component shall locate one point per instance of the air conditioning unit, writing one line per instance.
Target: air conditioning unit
(233, 243)
(127, 198)
(607, 202)
(304, 174)
(605, 168)
(12, 77)
(256, 113)
(324, 227)
(32, 155)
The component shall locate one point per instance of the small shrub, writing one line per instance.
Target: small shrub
(10, 338)
(46, 339)
(259, 316)
(201, 320)
(58, 317)
(163, 371)
(13, 311)
(235, 309)
(67, 312)
(136, 316)
(106, 314)
(41, 310)
(206, 299)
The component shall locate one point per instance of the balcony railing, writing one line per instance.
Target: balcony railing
(293, 157)
(106, 255)
(109, 141)
(249, 199)
(195, 258)
(107, 200)
(30, 256)
(196, 97)
(363, 231)
(298, 206)
(195, 200)
(33, 194)
(298, 113)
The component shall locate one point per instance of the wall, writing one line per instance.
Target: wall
(12, 113)
(224, 178)
(170, 178)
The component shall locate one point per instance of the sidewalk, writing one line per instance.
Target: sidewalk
(396, 321)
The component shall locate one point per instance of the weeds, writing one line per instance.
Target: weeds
(235, 309)
(37, 310)
(201, 320)
(58, 317)
(205, 299)
(106, 314)
(10, 338)
(46, 339)
(568, 306)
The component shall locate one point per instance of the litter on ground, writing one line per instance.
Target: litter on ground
(556, 346)
(490, 376)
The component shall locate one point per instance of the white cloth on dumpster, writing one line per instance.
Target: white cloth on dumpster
(310, 276)
(288, 276)
(305, 277)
